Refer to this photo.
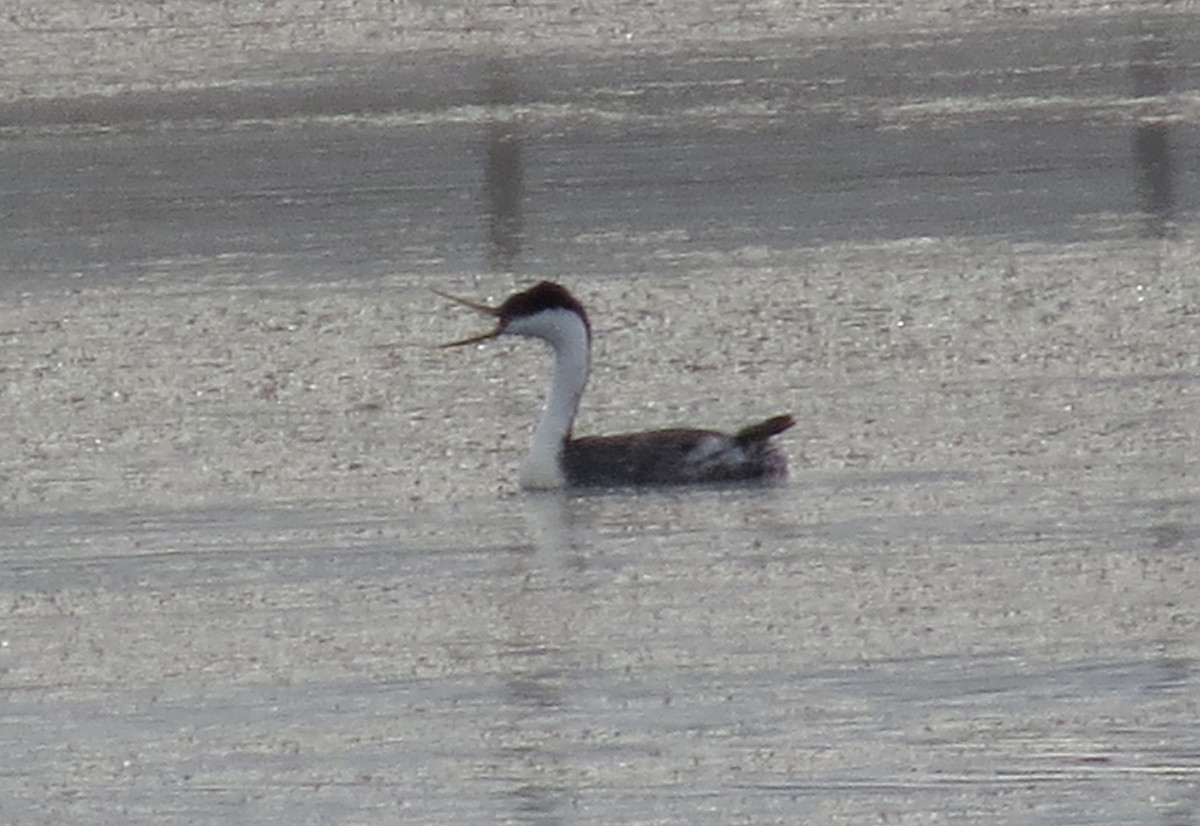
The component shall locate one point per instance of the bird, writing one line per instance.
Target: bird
(557, 459)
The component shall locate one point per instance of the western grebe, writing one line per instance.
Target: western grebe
(657, 457)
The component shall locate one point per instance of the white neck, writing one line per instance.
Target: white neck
(568, 336)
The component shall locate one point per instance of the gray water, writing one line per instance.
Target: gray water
(263, 557)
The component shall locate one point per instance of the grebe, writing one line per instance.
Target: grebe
(657, 457)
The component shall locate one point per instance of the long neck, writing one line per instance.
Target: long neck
(568, 336)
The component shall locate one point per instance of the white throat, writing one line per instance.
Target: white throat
(570, 340)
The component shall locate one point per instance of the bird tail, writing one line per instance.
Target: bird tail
(760, 432)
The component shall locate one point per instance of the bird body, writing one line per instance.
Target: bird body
(658, 457)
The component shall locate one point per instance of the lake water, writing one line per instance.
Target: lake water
(263, 555)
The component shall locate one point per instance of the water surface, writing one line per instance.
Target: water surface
(263, 556)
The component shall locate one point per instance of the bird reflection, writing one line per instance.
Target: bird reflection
(503, 173)
(1151, 138)
(534, 721)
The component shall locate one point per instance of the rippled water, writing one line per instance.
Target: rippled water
(263, 556)
(856, 645)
